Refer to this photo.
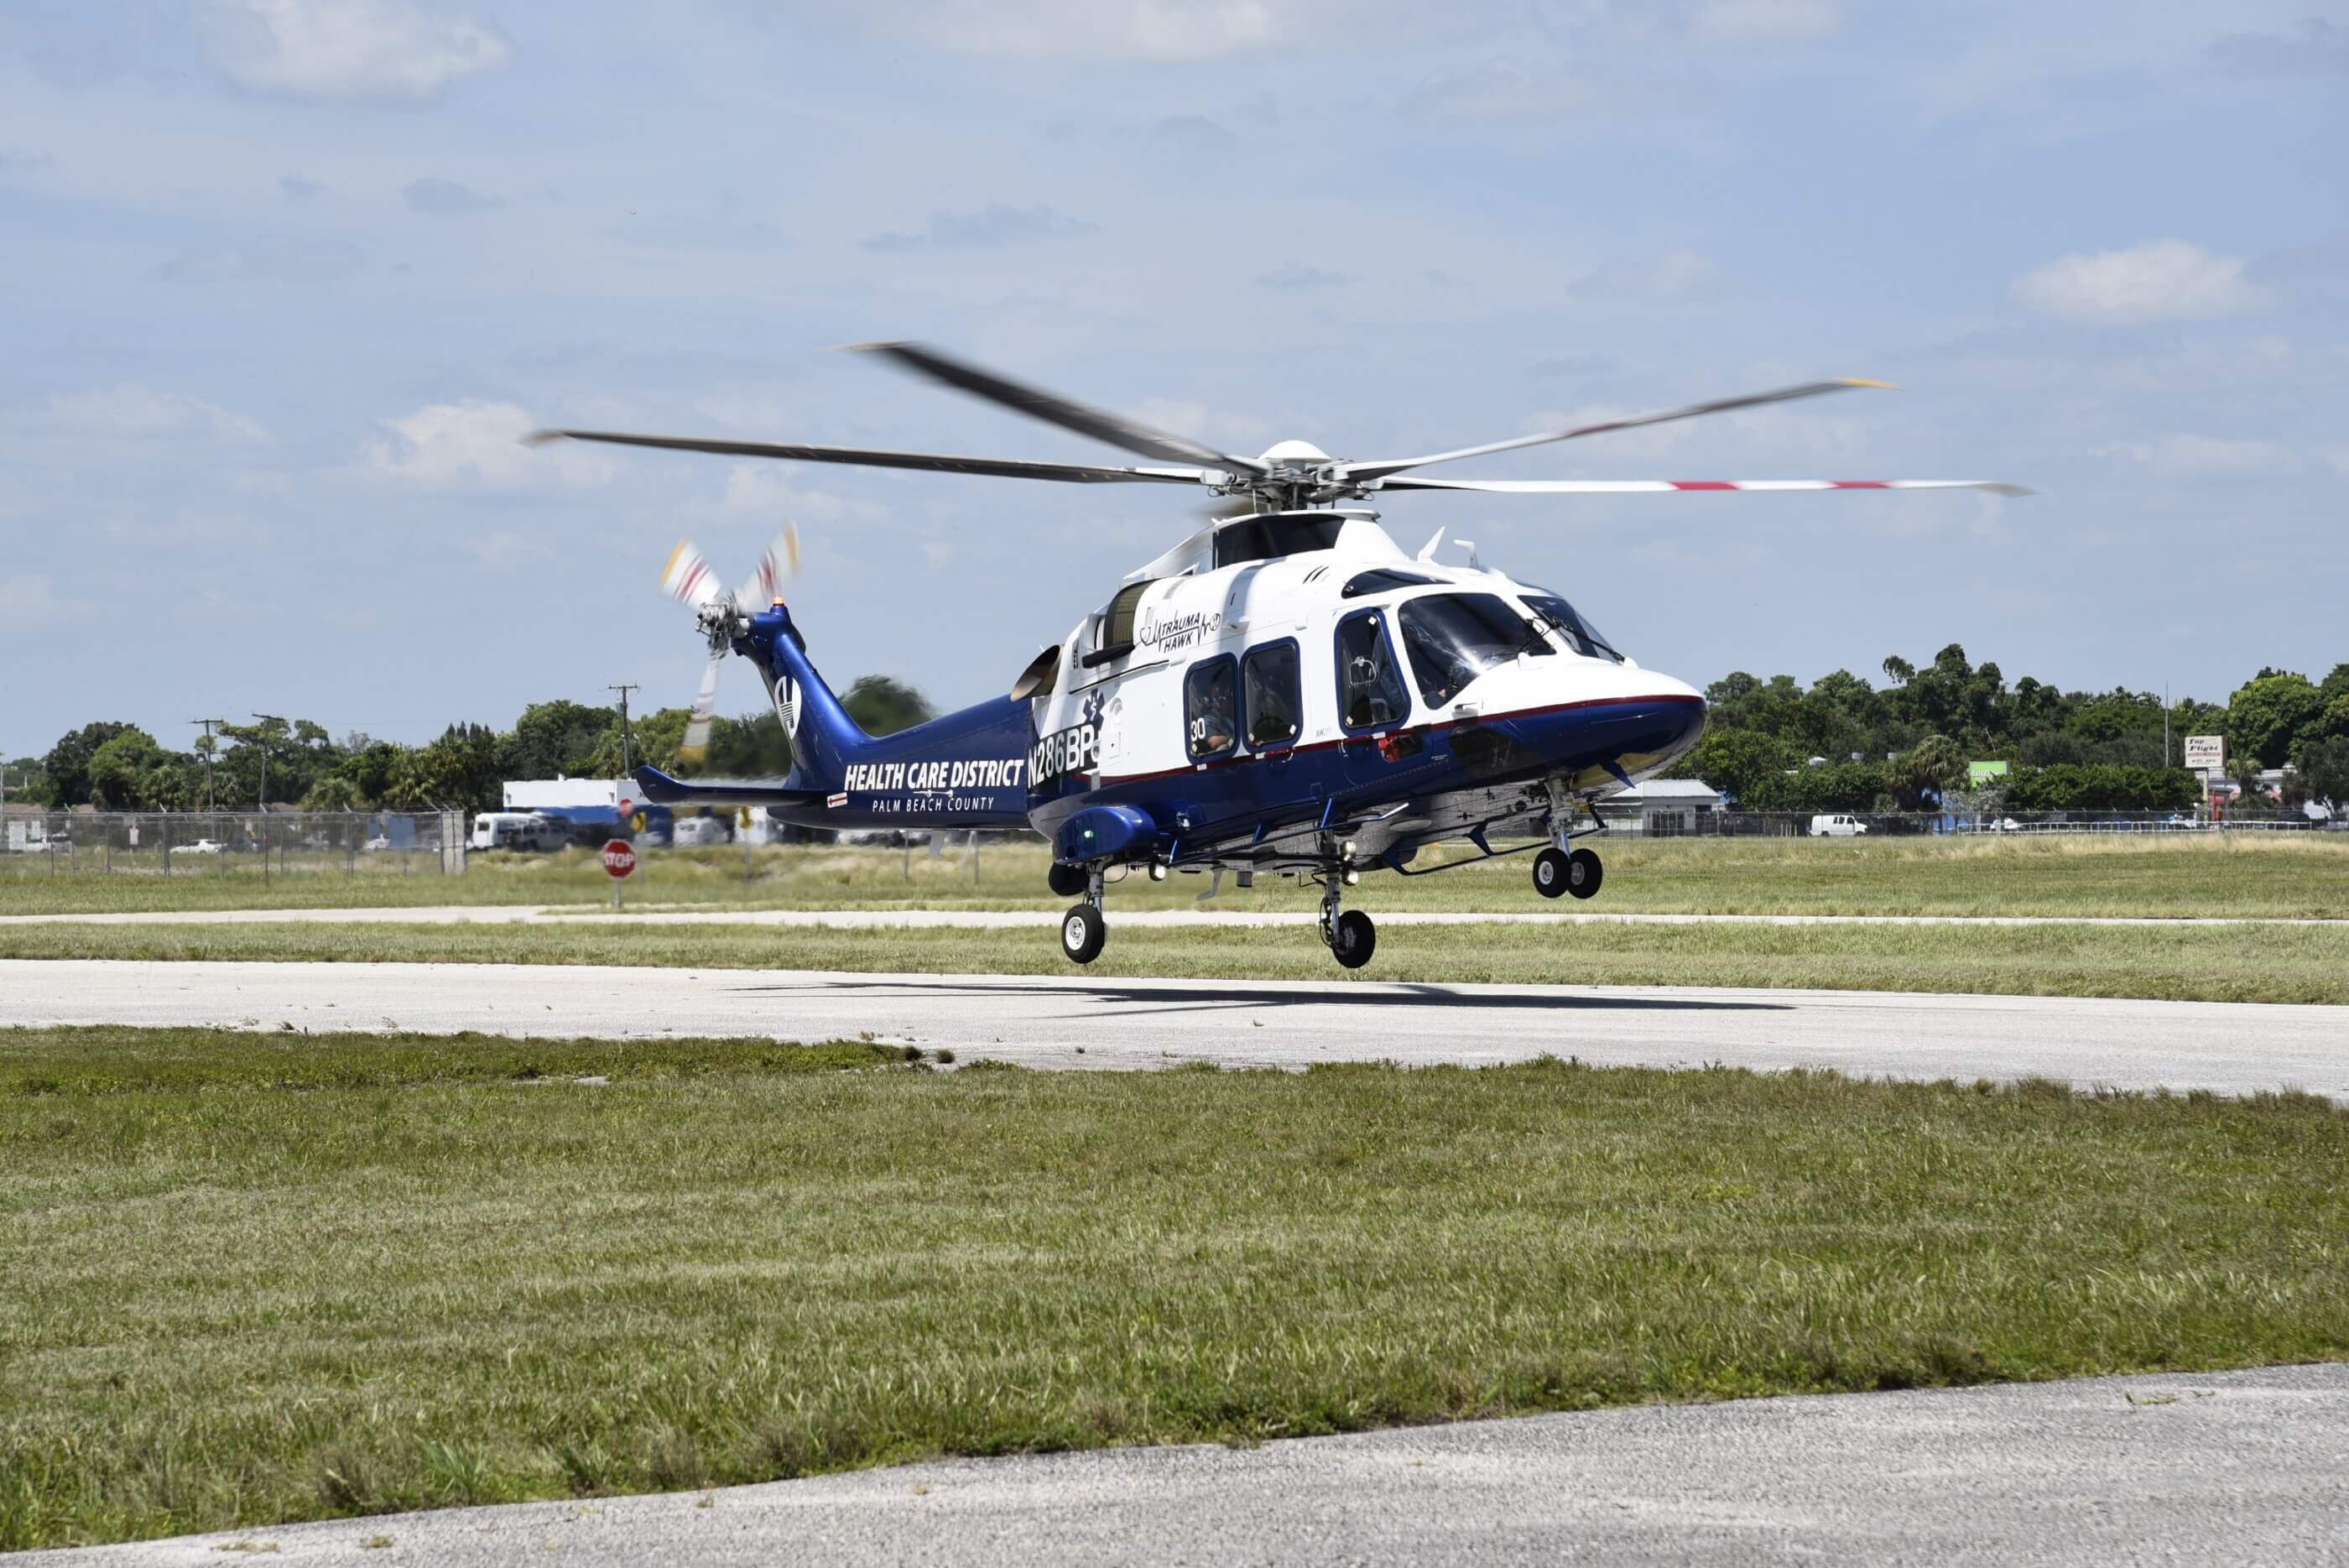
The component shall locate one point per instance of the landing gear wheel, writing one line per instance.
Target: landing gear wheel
(1583, 873)
(1065, 880)
(1353, 939)
(1082, 932)
(1552, 873)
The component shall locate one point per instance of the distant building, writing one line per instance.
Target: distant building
(1661, 808)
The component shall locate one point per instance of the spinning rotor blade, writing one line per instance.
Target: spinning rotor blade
(1054, 410)
(696, 744)
(688, 579)
(1647, 486)
(777, 566)
(1356, 473)
(1002, 468)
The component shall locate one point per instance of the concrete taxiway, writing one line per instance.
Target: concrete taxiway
(2230, 1467)
(1104, 1022)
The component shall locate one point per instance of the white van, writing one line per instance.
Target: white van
(1836, 827)
(519, 830)
(698, 832)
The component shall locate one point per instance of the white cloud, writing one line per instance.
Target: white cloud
(2184, 456)
(135, 412)
(1496, 92)
(1162, 30)
(1762, 21)
(347, 49)
(2166, 280)
(448, 199)
(476, 446)
(1658, 280)
(30, 598)
(268, 258)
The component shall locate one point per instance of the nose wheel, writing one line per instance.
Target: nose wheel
(1083, 931)
(1557, 873)
(1083, 934)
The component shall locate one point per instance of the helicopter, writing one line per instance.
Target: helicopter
(1287, 691)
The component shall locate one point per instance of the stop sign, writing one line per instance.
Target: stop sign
(620, 857)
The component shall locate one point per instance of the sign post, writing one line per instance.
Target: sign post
(2206, 754)
(619, 860)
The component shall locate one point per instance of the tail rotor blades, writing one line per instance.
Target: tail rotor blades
(688, 579)
(778, 566)
(696, 744)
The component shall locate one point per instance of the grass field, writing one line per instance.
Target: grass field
(2199, 963)
(246, 1278)
(2278, 875)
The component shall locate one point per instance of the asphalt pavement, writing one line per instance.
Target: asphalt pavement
(2234, 1468)
(1082, 1021)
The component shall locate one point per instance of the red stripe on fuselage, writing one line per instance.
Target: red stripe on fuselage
(1102, 780)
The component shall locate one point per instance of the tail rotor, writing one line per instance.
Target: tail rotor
(722, 616)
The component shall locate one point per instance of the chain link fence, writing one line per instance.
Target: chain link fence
(227, 843)
(259, 845)
(1681, 823)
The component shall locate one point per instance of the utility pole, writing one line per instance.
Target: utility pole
(2165, 723)
(261, 738)
(625, 766)
(209, 747)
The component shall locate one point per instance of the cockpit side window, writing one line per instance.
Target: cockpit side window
(1555, 613)
(1211, 724)
(1452, 638)
(1370, 693)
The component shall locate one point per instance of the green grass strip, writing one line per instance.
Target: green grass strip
(2192, 963)
(232, 1301)
(2271, 875)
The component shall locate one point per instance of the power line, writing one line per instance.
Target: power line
(624, 688)
(262, 739)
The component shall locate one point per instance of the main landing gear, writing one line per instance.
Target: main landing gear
(1082, 930)
(1556, 872)
(1349, 933)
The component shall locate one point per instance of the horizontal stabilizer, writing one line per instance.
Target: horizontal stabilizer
(663, 790)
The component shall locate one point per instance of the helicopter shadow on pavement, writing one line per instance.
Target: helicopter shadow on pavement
(1163, 996)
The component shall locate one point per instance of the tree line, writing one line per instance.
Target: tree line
(117, 766)
(1844, 743)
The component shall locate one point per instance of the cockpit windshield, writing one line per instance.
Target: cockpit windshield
(1555, 614)
(1452, 638)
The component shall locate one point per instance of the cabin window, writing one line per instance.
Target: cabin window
(1274, 534)
(1211, 706)
(1369, 688)
(1382, 580)
(1275, 701)
(1580, 635)
(1452, 638)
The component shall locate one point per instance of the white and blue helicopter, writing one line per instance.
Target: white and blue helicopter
(1286, 691)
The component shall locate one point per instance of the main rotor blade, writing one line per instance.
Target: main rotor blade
(1002, 468)
(1377, 469)
(1054, 410)
(1651, 486)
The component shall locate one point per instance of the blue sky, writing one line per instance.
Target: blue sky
(287, 278)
